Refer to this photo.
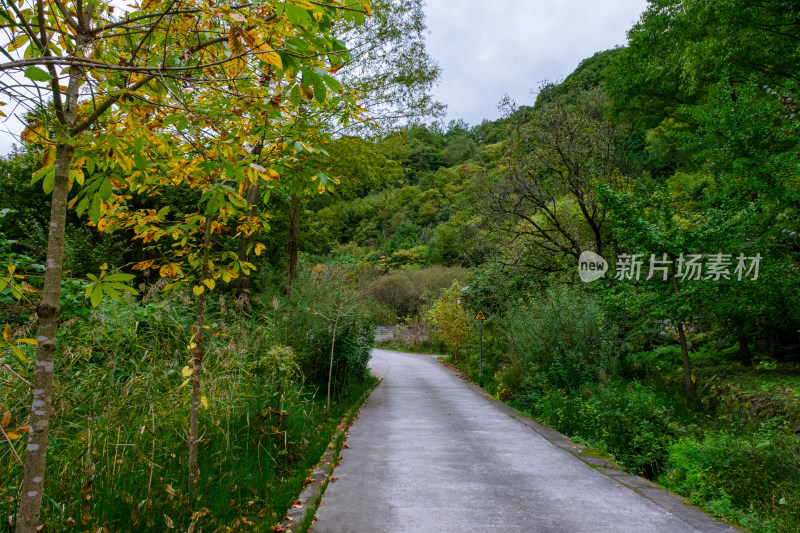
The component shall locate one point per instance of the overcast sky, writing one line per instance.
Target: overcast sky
(491, 48)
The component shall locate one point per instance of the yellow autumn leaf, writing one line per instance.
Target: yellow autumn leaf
(7, 333)
(237, 64)
(210, 283)
(18, 42)
(204, 402)
(321, 188)
(198, 290)
(271, 57)
(19, 354)
(259, 248)
(48, 156)
(6, 419)
(302, 3)
(187, 371)
(17, 433)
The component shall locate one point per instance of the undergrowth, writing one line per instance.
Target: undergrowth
(118, 453)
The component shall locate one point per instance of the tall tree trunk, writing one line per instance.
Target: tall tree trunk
(49, 311)
(688, 383)
(293, 238)
(198, 362)
(744, 351)
(243, 283)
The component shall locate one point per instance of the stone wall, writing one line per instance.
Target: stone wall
(408, 334)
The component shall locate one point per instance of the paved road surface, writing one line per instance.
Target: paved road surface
(429, 453)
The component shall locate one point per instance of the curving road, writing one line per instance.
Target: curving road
(431, 453)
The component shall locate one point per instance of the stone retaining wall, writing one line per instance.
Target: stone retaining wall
(409, 334)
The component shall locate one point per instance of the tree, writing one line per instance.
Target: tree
(544, 203)
(94, 61)
(681, 48)
(391, 67)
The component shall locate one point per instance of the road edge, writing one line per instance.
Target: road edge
(301, 514)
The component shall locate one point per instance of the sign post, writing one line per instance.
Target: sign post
(480, 316)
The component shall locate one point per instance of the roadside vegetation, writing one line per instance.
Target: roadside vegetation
(225, 262)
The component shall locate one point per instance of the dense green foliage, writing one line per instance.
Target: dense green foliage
(118, 444)
(686, 142)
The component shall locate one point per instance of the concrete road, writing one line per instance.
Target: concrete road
(430, 453)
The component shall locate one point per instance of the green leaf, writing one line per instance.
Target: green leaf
(80, 209)
(113, 293)
(94, 208)
(42, 172)
(49, 180)
(119, 277)
(96, 296)
(320, 92)
(105, 190)
(333, 83)
(297, 15)
(37, 74)
(121, 287)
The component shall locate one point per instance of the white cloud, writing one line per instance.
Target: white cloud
(489, 49)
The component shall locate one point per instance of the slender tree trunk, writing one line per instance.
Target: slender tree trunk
(687, 369)
(198, 363)
(330, 367)
(744, 351)
(243, 283)
(293, 238)
(49, 311)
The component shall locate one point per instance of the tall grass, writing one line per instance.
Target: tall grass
(118, 448)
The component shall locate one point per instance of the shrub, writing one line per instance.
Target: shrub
(751, 478)
(562, 340)
(406, 291)
(629, 421)
(451, 321)
(306, 320)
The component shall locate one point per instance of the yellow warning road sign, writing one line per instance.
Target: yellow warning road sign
(480, 315)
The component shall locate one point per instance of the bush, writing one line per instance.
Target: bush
(562, 340)
(629, 421)
(451, 321)
(753, 479)
(305, 322)
(406, 291)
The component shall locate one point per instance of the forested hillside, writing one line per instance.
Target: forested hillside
(230, 236)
